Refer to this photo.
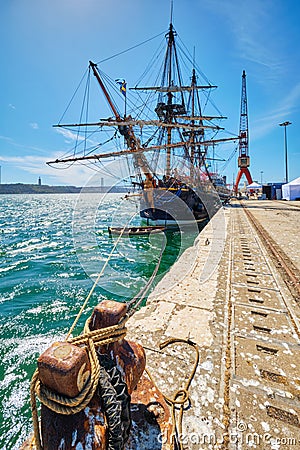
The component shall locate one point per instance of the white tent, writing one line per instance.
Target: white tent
(291, 190)
(254, 185)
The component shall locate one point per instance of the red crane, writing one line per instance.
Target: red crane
(244, 158)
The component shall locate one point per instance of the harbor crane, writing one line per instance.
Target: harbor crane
(244, 158)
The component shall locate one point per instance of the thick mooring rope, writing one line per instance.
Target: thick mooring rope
(94, 285)
(90, 339)
(65, 405)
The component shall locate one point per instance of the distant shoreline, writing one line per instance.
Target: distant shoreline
(21, 188)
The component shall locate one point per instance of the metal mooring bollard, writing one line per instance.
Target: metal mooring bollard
(64, 368)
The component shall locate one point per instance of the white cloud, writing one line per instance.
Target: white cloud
(6, 138)
(69, 174)
(34, 125)
(75, 175)
(69, 135)
(292, 99)
(269, 120)
(256, 35)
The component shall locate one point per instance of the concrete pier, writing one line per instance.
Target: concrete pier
(230, 296)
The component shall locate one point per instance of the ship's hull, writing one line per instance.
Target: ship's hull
(223, 193)
(177, 207)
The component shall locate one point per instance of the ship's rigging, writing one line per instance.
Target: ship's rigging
(152, 144)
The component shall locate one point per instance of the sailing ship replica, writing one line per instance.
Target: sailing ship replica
(164, 138)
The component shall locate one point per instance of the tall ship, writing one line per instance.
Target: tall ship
(164, 137)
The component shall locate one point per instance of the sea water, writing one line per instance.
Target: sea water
(52, 247)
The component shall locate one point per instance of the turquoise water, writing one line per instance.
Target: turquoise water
(51, 249)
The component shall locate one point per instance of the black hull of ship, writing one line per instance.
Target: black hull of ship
(224, 196)
(174, 207)
(159, 217)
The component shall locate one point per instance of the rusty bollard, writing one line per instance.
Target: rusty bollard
(128, 355)
(65, 368)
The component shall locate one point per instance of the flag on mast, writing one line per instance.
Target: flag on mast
(122, 84)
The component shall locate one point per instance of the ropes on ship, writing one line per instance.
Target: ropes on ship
(95, 284)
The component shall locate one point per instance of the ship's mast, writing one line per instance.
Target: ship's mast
(197, 155)
(167, 111)
(104, 90)
(193, 123)
(127, 131)
(171, 43)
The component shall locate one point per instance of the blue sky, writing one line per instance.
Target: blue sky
(46, 46)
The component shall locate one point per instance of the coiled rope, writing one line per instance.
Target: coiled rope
(65, 405)
(181, 396)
